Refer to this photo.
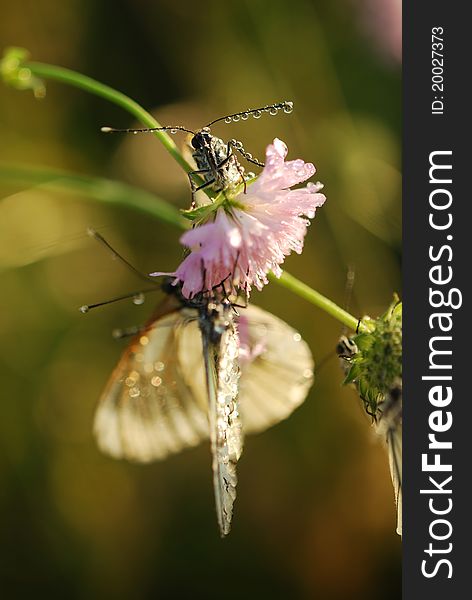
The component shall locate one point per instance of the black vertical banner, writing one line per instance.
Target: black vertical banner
(437, 474)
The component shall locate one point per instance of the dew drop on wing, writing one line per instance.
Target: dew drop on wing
(139, 299)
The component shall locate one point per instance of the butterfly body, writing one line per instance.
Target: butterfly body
(221, 359)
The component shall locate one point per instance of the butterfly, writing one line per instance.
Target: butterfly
(387, 418)
(389, 426)
(203, 369)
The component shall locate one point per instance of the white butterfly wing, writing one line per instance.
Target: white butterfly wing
(389, 427)
(394, 442)
(147, 411)
(163, 419)
(277, 378)
(274, 381)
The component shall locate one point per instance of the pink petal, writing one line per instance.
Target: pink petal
(279, 175)
(242, 245)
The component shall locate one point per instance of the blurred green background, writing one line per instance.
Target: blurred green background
(315, 516)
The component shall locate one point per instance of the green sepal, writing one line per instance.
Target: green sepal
(195, 214)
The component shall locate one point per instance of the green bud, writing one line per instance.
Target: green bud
(375, 361)
(15, 72)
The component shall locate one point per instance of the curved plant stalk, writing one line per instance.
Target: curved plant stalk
(305, 291)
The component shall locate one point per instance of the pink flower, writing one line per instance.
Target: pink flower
(253, 232)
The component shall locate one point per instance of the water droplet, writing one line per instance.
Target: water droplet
(257, 114)
(134, 392)
(228, 120)
(156, 381)
(248, 155)
(84, 309)
(273, 111)
(236, 118)
(297, 337)
(135, 132)
(132, 379)
(139, 299)
(288, 107)
(173, 131)
(244, 116)
(250, 175)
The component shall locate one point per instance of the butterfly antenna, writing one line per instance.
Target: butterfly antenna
(171, 129)
(272, 109)
(348, 290)
(138, 298)
(99, 238)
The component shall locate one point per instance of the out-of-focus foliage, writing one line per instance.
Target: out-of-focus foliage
(315, 516)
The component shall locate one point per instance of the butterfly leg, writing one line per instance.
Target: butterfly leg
(204, 274)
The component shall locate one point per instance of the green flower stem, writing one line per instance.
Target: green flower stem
(304, 291)
(88, 84)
